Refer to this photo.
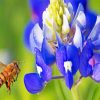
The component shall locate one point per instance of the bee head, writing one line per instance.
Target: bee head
(16, 65)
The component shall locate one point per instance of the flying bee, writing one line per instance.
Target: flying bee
(9, 74)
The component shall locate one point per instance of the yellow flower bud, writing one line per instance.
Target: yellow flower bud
(61, 11)
(59, 20)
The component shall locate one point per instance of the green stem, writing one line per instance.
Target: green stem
(78, 81)
(75, 93)
(57, 77)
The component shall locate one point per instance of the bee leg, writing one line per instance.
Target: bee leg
(15, 79)
(12, 79)
(8, 86)
(8, 83)
(1, 82)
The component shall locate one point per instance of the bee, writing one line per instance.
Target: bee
(9, 74)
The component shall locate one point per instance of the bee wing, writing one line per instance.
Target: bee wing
(2, 64)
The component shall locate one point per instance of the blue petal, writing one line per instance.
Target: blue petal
(77, 40)
(96, 73)
(96, 56)
(91, 20)
(85, 68)
(47, 32)
(73, 56)
(60, 58)
(75, 3)
(36, 38)
(95, 36)
(47, 53)
(33, 83)
(38, 6)
(69, 79)
(46, 73)
(86, 55)
(71, 10)
(27, 32)
(79, 9)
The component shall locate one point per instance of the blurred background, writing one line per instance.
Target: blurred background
(14, 15)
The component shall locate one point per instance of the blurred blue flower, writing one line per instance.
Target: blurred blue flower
(37, 8)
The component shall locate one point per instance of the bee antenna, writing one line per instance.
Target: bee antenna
(19, 62)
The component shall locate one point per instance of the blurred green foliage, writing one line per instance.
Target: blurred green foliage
(14, 15)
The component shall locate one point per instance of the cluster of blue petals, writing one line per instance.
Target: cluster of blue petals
(66, 53)
(86, 59)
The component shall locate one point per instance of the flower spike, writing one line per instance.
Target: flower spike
(60, 32)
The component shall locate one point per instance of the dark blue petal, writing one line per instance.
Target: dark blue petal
(38, 6)
(86, 55)
(47, 53)
(60, 58)
(27, 32)
(96, 73)
(46, 73)
(75, 3)
(73, 56)
(69, 79)
(85, 68)
(91, 20)
(33, 83)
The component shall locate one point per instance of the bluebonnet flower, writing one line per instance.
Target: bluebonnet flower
(44, 59)
(35, 82)
(67, 59)
(64, 38)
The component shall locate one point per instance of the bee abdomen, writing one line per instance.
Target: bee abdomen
(2, 79)
(5, 74)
